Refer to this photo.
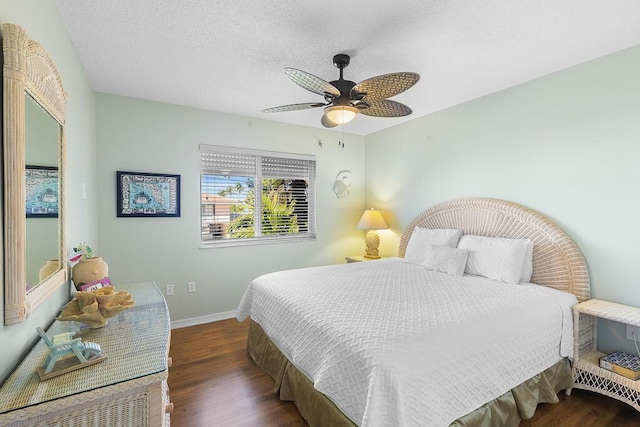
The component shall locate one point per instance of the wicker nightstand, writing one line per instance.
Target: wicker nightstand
(361, 258)
(129, 388)
(587, 373)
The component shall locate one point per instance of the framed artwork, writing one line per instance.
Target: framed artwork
(147, 194)
(42, 191)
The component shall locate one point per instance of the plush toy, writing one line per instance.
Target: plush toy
(85, 250)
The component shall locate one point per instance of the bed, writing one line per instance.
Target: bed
(391, 342)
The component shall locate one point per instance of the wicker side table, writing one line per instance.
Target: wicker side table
(361, 258)
(129, 388)
(587, 373)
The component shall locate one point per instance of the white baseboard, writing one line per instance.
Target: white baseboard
(177, 324)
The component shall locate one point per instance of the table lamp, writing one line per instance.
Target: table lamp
(372, 220)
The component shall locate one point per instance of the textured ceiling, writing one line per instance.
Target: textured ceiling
(229, 55)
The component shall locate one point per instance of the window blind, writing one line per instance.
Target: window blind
(253, 196)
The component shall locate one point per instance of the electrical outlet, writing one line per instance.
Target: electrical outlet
(633, 330)
(170, 290)
(192, 286)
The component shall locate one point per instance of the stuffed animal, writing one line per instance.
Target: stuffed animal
(85, 250)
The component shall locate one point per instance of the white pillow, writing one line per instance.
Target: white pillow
(445, 259)
(421, 237)
(495, 258)
(527, 266)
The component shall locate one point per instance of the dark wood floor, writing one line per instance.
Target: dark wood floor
(213, 383)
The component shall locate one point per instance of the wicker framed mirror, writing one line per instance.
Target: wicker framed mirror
(33, 98)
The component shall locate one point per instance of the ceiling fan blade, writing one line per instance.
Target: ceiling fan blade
(386, 108)
(326, 122)
(311, 83)
(384, 86)
(293, 107)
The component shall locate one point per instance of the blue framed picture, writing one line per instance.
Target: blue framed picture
(146, 195)
(42, 191)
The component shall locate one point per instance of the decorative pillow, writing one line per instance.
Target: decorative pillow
(445, 259)
(495, 258)
(421, 237)
(527, 267)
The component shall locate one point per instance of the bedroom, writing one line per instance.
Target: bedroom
(567, 142)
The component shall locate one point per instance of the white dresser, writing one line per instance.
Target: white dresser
(129, 388)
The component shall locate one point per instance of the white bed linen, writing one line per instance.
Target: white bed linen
(391, 343)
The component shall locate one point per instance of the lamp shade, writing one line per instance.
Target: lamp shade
(372, 220)
(341, 114)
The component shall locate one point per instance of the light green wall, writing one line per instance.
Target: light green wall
(566, 145)
(144, 136)
(41, 21)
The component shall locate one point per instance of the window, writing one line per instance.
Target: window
(230, 211)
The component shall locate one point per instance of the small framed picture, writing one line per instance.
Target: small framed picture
(142, 194)
(42, 190)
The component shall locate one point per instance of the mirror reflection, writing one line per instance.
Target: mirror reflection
(42, 139)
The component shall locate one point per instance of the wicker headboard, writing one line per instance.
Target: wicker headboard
(557, 260)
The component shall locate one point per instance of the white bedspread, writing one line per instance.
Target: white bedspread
(393, 344)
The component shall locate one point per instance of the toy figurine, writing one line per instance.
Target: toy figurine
(63, 345)
(85, 250)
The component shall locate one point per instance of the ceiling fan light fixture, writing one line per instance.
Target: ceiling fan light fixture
(341, 114)
(344, 99)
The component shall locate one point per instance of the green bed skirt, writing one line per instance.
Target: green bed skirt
(505, 411)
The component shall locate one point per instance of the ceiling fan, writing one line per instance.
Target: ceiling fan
(344, 99)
